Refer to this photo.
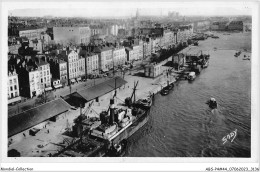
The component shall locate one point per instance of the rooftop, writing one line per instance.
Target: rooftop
(102, 88)
(101, 49)
(128, 48)
(35, 116)
(88, 94)
(41, 63)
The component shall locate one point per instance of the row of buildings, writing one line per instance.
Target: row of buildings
(227, 26)
(38, 69)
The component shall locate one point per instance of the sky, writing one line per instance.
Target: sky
(127, 9)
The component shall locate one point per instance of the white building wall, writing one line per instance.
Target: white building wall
(13, 85)
(35, 83)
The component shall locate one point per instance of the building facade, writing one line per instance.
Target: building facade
(32, 33)
(75, 65)
(13, 49)
(236, 25)
(105, 57)
(129, 54)
(119, 56)
(13, 87)
(92, 65)
(184, 33)
(44, 75)
(71, 35)
(153, 70)
(58, 68)
(63, 73)
(81, 69)
(35, 87)
(36, 44)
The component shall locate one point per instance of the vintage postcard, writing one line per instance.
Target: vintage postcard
(123, 81)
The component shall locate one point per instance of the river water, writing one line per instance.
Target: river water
(182, 125)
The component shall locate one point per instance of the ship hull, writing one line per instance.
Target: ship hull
(136, 125)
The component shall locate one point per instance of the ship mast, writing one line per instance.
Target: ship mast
(134, 90)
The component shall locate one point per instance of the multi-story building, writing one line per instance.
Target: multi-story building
(92, 63)
(34, 76)
(168, 37)
(73, 35)
(119, 56)
(136, 52)
(155, 44)
(35, 87)
(13, 87)
(75, 65)
(36, 44)
(184, 33)
(32, 33)
(44, 74)
(13, 48)
(129, 54)
(114, 30)
(236, 25)
(221, 25)
(147, 47)
(58, 68)
(81, 69)
(105, 57)
(141, 49)
(95, 30)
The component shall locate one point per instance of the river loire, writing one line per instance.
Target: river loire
(182, 125)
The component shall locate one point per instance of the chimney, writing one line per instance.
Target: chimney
(112, 112)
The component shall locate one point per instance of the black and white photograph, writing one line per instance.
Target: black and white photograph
(130, 81)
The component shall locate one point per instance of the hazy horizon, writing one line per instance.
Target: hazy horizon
(128, 9)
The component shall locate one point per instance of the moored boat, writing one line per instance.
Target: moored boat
(110, 132)
(205, 64)
(165, 91)
(191, 76)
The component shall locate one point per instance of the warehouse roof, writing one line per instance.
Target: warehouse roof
(35, 116)
(102, 88)
(88, 94)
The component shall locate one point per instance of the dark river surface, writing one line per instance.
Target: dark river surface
(182, 125)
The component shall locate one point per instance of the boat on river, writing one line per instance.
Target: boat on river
(212, 103)
(107, 135)
(191, 76)
(205, 64)
(165, 91)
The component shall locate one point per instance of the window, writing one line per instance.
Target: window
(10, 81)
(16, 94)
(12, 95)
(15, 87)
(44, 73)
(47, 72)
(15, 80)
